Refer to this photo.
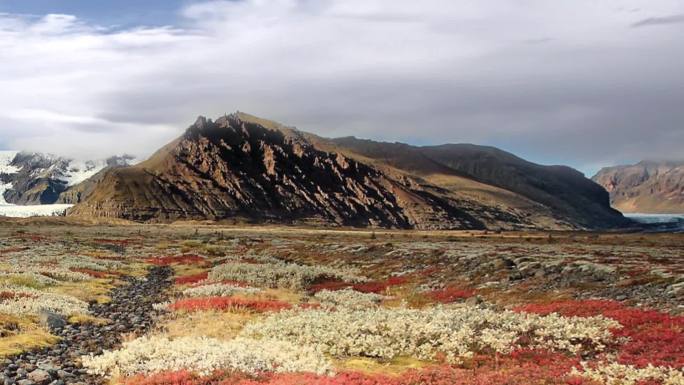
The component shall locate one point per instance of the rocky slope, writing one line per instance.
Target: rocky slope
(244, 167)
(645, 187)
(564, 192)
(34, 178)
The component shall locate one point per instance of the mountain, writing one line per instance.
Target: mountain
(645, 187)
(563, 190)
(28, 178)
(241, 166)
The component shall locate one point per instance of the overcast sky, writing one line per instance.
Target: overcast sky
(584, 83)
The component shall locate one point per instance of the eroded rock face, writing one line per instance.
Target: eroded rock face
(233, 168)
(646, 187)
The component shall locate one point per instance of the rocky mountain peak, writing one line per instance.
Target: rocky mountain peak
(241, 167)
(645, 187)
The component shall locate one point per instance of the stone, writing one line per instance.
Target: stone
(51, 320)
(40, 376)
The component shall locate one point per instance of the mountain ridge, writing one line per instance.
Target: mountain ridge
(649, 187)
(249, 167)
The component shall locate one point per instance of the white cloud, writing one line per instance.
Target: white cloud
(556, 81)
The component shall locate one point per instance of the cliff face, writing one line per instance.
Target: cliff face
(244, 167)
(645, 187)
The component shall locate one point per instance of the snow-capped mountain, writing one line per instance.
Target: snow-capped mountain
(38, 179)
(6, 169)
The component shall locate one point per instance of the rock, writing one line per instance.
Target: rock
(51, 320)
(60, 364)
(40, 376)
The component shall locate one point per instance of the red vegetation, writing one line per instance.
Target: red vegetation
(653, 337)
(190, 279)
(185, 259)
(228, 303)
(366, 287)
(450, 294)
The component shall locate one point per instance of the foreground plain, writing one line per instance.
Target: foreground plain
(195, 304)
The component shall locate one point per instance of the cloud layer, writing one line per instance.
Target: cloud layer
(557, 82)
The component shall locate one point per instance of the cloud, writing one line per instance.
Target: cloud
(673, 19)
(553, 82)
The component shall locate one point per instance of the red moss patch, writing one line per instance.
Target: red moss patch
(653, 337)
(450, 294)
(191, 279)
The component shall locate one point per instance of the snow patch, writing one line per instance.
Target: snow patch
(79, 171)
(17, 211)
(6, 157)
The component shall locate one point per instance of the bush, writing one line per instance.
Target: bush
(228, 303)
(286, 275)
(204, 356)
(652, 338)
(190, 279)
(456, 332)
(185, 259)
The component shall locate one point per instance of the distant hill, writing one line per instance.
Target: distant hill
(241, 166)
(645, 187)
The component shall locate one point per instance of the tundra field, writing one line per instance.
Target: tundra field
(201, 305)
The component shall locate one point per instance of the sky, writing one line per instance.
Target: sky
(587, 83)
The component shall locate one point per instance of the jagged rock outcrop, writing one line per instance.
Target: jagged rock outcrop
(645, 187)
(244, 167)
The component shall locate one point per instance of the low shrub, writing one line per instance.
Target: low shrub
(456, 332)
(652, 338)
(375, 287)
(514, 374)
(191, 279)
(204, 356)
(281, 274)
(449, 294)
(228, 303)
(218, 290)
(92, 273)
(26, 301)
(185, 259)
(348, 298)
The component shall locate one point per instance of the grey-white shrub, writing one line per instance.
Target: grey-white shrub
(457, 331)
(347, 298)
(32, 302)
(218, 290)
(285, 275)
(203, 355)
